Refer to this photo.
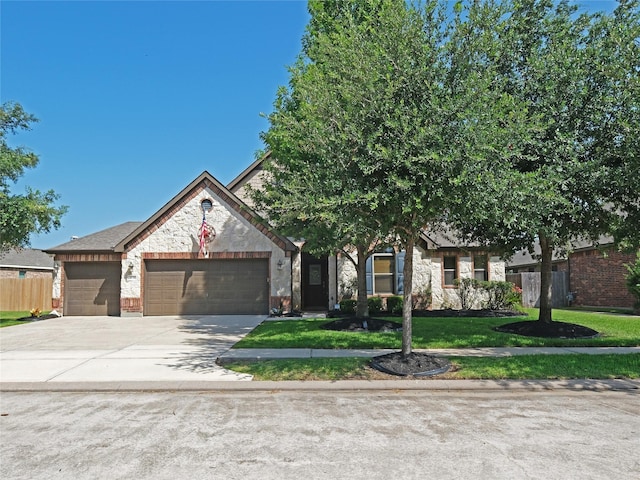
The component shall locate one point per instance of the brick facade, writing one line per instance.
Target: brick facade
(15, 273)
(599, 278)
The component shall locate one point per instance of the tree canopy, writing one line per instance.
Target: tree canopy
(29, 213)
(365, 138)
(572, 172)
(515, 121)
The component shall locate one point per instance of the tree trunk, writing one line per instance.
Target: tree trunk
(362, 306)
(407, 300)
(546, 280)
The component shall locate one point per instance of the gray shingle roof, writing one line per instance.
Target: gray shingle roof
(524, 258)
(101, 241)
(26, 257)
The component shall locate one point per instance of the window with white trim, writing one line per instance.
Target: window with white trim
(383, 272)
(481, 267)
(450, 268)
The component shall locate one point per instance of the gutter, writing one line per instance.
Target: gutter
(27, 267)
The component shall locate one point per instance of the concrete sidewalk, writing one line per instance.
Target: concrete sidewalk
(283, 353)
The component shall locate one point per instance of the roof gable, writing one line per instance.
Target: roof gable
(204, 180)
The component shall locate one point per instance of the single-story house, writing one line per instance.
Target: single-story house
(595, 273)
(25, 263)
(207, 252)
(26, 277)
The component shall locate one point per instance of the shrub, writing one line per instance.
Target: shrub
(394, 304)
(502, 295)
(467, 291)
(493, 295)
(633, 279)
(375, 305)
(348, 305)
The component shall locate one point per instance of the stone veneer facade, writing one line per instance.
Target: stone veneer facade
(427, 273)
(235, 237)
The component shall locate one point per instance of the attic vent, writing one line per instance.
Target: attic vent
(206, 205)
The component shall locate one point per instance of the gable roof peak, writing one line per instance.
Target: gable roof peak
(225, 195)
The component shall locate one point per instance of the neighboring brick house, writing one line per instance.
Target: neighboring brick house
(596, 275)
(158, 267)
(25, 263)
(25, 279)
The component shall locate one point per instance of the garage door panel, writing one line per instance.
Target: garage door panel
(204, 287)
(92, 288)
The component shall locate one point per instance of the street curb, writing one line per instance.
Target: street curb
(418, 385)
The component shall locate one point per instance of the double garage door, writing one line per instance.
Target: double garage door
(206, 287)
(172, 287)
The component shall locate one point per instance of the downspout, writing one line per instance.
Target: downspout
(571, 295)
(335, 289)
(292, 306)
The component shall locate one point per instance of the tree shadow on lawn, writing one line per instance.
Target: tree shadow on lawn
(423, 364)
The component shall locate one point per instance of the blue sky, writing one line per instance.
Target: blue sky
(136, 99)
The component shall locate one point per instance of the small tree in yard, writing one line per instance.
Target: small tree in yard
(573, 165)
(34, 212)
(367, 140)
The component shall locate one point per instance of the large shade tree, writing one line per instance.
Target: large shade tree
(366, 140)
(572, 170)
(21, 215)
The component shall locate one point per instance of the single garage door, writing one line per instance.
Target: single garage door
(206, 287)
(92, 288)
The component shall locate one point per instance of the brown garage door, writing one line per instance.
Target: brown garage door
(92, 288)
(206, 287)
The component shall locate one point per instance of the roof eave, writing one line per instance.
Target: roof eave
(203, 177)
(245, 173)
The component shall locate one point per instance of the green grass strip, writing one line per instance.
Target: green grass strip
(8, 319)
(569, 366)
(548, 367)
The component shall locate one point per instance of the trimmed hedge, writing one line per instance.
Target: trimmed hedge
(375, 305)
(348, 305)
(394, 304)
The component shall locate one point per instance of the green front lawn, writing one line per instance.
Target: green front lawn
(10, 318)
(615, 330)
(517, 368)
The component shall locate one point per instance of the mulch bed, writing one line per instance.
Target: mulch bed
(354, 324)
(415, 364)
(535, 328)
(35, 319)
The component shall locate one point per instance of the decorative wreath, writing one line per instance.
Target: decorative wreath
(206, 233)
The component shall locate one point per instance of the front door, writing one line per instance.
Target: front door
(315, 285)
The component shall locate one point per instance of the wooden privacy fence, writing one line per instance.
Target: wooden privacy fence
(23, 294)
(530, 284)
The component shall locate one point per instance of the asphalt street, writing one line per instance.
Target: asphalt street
(558, 434)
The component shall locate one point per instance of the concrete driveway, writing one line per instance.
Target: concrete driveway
(114, 349)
